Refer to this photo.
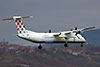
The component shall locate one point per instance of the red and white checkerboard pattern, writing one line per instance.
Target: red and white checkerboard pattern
(19, 26)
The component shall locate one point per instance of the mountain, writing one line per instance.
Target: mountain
(92, 36)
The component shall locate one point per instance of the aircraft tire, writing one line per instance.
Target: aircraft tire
(66, 45)
(39, 47)
(81, 45)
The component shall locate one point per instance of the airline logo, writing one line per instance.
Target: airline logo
(19, 26)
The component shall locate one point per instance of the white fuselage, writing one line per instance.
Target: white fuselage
(50, 38)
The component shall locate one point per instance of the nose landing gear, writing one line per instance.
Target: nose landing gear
(81, 44)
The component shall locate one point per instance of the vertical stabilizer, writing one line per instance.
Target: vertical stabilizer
(18, 20)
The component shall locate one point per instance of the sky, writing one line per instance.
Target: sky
(58, 15)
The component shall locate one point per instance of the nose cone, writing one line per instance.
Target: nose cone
(81, 38)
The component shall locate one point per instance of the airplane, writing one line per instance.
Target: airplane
(66, 37)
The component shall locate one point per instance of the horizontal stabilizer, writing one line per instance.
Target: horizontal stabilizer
(8, 19)
(27, 17)
(17, 17)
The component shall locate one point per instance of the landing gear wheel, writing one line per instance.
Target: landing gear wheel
(66, 45)
(81, 45)
(39, 47)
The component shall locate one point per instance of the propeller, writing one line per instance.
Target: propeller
(78, 33)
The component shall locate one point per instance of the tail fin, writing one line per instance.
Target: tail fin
(18, 20)
(19, 24)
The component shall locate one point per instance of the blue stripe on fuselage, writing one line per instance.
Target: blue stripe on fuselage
(48, 41)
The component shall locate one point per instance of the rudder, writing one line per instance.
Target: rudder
(18, 20)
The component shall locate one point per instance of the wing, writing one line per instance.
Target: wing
(65, 33)
(83, 29)
(68, 33)
(88, 28)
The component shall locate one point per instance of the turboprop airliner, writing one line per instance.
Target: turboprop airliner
(66, 37)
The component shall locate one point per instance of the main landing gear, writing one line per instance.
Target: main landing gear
(40, 47)
(81, 44)
(66, 44)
